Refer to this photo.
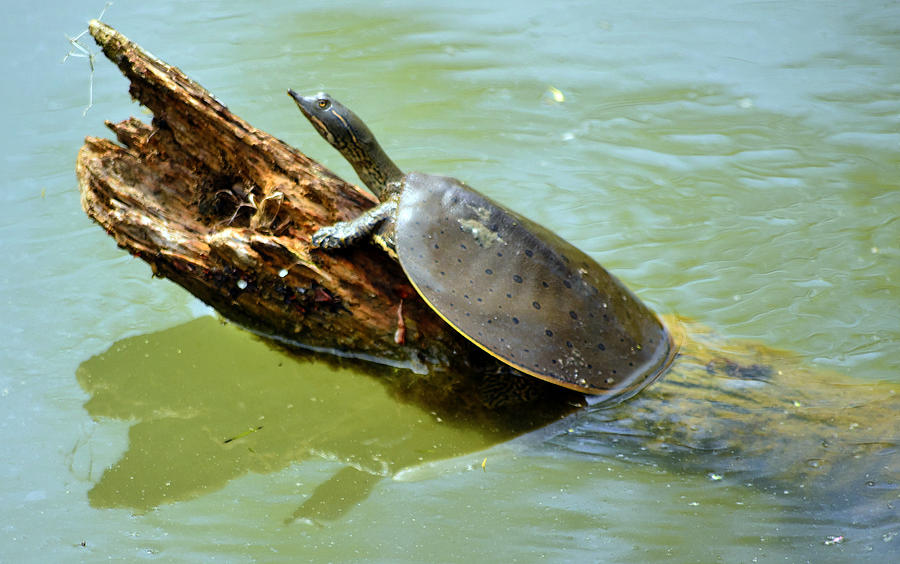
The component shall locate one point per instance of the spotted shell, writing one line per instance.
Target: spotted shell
(522, 293)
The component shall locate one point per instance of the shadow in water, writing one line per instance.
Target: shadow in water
(210, 404)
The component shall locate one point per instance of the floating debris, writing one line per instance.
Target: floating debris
(554, 95)
(242, 435)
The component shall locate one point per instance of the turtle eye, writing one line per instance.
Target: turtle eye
(324, 103)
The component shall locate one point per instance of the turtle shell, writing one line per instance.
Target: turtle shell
(524, 294)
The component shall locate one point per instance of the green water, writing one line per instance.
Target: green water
(735, 163)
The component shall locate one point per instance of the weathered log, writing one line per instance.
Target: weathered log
(226, 211)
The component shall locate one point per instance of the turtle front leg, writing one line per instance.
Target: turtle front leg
(346, 233)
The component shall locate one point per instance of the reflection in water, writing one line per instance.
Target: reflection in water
(347, 487)
(211, 404)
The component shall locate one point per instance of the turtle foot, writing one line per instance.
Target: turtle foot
(334, 236)
(347, 233)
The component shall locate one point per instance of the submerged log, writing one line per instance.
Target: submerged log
(226, 211)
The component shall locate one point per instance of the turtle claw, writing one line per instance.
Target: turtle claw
(329, 237)
(347, 233)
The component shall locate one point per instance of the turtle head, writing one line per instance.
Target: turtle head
(338, 125)
(347, 133)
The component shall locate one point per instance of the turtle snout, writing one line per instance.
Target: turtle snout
(311, 105)
(305, 103)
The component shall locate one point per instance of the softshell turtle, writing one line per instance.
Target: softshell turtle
(510, 286)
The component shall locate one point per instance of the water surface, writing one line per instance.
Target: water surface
(733, 163)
